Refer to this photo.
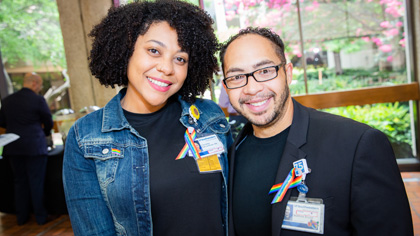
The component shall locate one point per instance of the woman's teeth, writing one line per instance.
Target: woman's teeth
(158, 83)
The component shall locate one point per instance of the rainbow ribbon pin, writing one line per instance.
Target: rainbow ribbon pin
(291, 181)
(296, 182)
(116, 151)
(189, 137)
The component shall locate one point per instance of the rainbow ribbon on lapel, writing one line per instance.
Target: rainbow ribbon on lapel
(296, 182)
(291, 181)
(189, 137)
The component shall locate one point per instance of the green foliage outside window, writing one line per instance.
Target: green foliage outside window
(393, 119)
(349, 79)
(30, 32)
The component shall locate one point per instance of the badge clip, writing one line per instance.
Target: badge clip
(194, 114)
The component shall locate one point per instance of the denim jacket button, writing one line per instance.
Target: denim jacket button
(105, 151)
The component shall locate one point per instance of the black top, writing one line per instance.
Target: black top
(184, 202)
(256, 163)
(26, 114)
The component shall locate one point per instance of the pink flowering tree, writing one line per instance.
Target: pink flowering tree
(338, 26)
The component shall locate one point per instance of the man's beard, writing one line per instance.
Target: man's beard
(276, 114)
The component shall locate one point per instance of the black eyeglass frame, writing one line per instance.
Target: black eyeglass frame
(252, 74)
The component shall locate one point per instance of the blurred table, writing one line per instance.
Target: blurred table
(54, 192)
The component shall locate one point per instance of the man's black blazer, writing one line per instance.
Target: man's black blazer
(26, 114)
(354, 171)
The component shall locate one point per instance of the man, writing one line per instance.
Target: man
(26, 114)
(344, 180)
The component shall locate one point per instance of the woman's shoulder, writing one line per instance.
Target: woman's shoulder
(203, 105)
(207, 104)
(90, 120)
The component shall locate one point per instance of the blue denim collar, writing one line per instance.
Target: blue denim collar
(113, 115)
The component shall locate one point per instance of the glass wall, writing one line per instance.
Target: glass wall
(336, 45)
(351, 44)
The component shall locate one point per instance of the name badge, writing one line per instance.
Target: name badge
(209, 164)
(208, 145)
(305, 216)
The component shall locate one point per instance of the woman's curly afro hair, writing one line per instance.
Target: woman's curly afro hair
(114, 39)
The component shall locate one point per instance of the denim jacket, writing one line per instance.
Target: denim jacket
(107, 192)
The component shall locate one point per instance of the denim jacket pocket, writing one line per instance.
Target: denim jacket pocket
(106, 157)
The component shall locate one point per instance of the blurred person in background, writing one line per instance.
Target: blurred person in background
(236, 120)
(26, 114)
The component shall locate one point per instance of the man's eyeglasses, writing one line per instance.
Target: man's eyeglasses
(260, 75)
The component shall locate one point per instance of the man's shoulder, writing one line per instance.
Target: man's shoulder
(328, 131)
(330, 122)
(322, 116)
(24, 93)
(14, 98)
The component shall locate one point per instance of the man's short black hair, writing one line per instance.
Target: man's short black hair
(264, 32)
(115, 36)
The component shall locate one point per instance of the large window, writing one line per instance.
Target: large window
(344, 52)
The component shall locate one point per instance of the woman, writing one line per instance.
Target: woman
(120, 172)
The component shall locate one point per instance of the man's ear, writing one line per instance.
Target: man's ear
(289, 72)
(224, 86)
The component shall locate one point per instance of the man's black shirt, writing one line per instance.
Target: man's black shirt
(256, 163)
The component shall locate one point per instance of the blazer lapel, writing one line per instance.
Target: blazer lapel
(292, 152)
(231, 157)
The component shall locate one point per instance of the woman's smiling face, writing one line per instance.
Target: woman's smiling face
(156, 70)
